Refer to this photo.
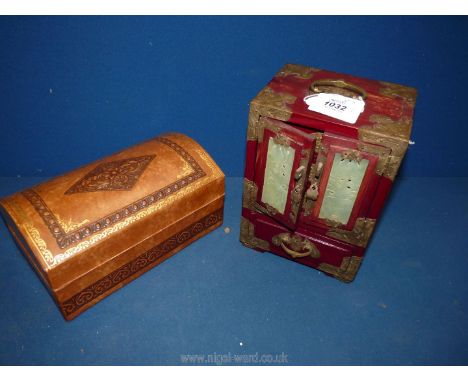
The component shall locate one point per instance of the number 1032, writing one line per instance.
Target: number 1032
(335, 105)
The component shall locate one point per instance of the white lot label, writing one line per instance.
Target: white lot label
(336, 106)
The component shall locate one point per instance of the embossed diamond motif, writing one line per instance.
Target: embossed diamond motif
(119, 175)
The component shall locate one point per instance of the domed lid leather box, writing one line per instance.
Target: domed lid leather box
(91, 231)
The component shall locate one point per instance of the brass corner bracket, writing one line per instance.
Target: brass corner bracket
(360, 234)
(346, 272)
(393, 134)
(351, 155)
(268, 103)
(392, 90)
(247, 236)
(249, 195)
(299, 71)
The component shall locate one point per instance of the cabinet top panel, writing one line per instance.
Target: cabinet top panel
(387, 107)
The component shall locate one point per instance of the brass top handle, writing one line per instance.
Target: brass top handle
(338, 84)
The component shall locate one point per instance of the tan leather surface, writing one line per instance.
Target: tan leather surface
(86, 291)
(172, 169)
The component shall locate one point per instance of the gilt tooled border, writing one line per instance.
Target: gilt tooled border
(64, 239)
(143, 261)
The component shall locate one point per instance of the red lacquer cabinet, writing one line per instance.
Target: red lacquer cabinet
(323, 150)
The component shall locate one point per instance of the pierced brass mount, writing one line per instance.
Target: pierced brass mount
(346, 272)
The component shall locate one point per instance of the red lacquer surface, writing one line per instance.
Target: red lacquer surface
(375, 103)
(336, 136)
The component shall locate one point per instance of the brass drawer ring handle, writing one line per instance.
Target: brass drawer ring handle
(295, 245)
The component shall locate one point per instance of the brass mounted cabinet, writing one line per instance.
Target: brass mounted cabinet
(323, 149)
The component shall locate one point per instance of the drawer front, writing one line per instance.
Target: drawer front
(307, 248)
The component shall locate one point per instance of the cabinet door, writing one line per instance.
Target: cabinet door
(343, 181)
(283, 158)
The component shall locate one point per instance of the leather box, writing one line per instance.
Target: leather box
(91, 231)
(315, 182)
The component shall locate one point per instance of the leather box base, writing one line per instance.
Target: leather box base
(160, 247)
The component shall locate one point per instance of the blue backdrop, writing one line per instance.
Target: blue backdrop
(75, 89)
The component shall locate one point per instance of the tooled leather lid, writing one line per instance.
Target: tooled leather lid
(71, 214)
